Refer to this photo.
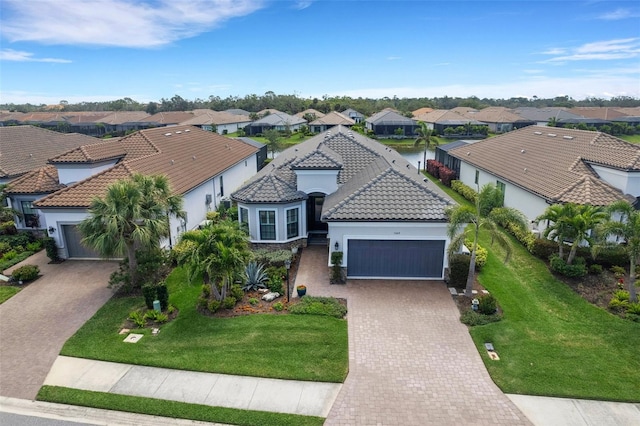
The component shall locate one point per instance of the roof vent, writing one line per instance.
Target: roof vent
(193, 158)
(393, 161)
(178, 132)
(522, 151)
(537, 133)
(567, 137)
(551, 135)
(172, 162)
(525, 170)
(187, 130)
(168, 134)
(468, 152)
(408, 166)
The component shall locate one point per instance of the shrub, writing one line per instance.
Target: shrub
(26, 273)
(161, 318)
(34, 246)
(611, 256)
(206, 290)
(466, 191)
(633, 309)
(4, 247)
(622, 295)
(459, 270)
(488, 305)
(163, 295)
(52, 249)
(202, 302)
(149, 293)
(213, 306)
(472, 318)
(253, 301)
(4, 263)
(236, 292)
(272, 257)
(524, 236)
(229, 302)
(481, 254)
(10, 255)
(576, 270)
(278, 306)
(433, 168)
(543, 248)
(336, 268)
(618, 305)
(275, 285)
(446, 175)
(255, 275)
(137, 318)
(595, 269)
(312, 305)
(618, 271)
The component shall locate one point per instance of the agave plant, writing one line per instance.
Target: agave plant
(255, 275)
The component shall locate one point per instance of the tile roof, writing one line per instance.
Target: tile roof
(333, 119)
(554, 163)
(438, 115)
(544, 114)
(24, 148)
(603, 113)
(376, 183)
(101, 151)
(495, 115)
(420, 111)
(187, 155)
(39, 181)
(278, 119)
(390, 118)
(169, 117)
(122, 117)
(312, 111)
(215, 117)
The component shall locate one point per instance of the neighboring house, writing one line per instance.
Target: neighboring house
(275, 120)
(542, 116)
(387, 122)
(311, 113)
(124, 121)
(87, 122)
(330, 120)
(603, 113)
(261, 155)
(168, 118)
(25, 148)
(441, 119)
(538, 166)
(499, 119)
(442, 154)
(586, 121)
(355, 195)
(202, 166)
(237, 111)
(421, 111)
(354, 115)
(223, 122)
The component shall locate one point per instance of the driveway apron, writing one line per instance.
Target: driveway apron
(411, 361)
(35, 323)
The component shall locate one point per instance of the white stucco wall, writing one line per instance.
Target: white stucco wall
(627, 182)
(281, 221)
(324, 181)
(341, 232)
(69, 173)
(58, 217)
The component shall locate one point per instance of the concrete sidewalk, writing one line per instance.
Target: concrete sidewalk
(220, 390)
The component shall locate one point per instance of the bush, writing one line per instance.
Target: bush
(52, 249)
(163, 295)
(459, 270)
(271, 257)
(34, 246)
(253, 301)
(481, 254)
(472, 318)
(576, 270)
(446, 175)
(4, 247)
(255, 275)
(466, 191)
(488, 305)
(336, 268)
(544, 249)
(278, 306)
(229, 302)
(149, 293)
(137, 318)
(612, 256)
(26, 273)
(206, 290)
(213, 306)
(524, 236)
(595, 269)
(10, 255)
(236, 292)
(312, 305)
(618, 271)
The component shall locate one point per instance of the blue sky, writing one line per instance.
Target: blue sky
(95, 50)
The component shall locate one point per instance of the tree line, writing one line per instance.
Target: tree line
(293, 104)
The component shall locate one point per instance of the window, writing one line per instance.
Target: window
(30, 216)
(244, 218)
(501, 188)
(292, 223)
(477, 176)
(267, 225)
(221, 187)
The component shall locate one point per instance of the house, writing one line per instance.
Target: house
(355, 195)
(441, 119)
(25, 148)
(310, 113)
(261, 155)
(421, 111)
(223, 122)
(277, 120)
(542, 116)
(499, 119)
(354, 115)
(537, 166)
(120, 122)
(442, 154)
(389, 123)
(167, 118)
(330, 120)
(202, 166)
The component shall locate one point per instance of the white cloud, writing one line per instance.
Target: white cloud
(619, 14)
(20, 56)
(393, 58)
(302, 4)
(600, 50)
(123, 23)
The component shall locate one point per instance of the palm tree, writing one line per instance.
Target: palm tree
(626, 227)
(218, 252)
(585, 219)
(557, 227)
(479, 216)
(133, 214)
(423, 133)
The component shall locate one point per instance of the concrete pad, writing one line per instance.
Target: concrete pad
(280, 396)
(599, 413)
(187, 386)
(317, 398)
(232, 391)
(543, 411)
(85, 374)
(141, 381)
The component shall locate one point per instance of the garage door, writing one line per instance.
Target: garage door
(395, 259)
(75, 248)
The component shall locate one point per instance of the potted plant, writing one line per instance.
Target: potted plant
(301, 289)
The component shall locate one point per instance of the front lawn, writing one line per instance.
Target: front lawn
(297, 347)
(7, 292)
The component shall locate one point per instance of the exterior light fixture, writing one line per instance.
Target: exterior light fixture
(336, 246)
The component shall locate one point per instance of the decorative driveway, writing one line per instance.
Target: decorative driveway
(411, 361)
(35, 323)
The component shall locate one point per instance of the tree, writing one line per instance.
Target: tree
(627, 227)
(133, 214)
(423, 135)
(557, 227)
(580, 225)
(218, 252)
(462, 215)
(273, 140)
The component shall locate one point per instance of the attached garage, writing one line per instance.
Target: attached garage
(75, 249)
(410, 259)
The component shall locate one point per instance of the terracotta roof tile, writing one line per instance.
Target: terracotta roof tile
(39, 181)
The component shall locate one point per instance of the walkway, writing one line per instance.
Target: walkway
(35, 323)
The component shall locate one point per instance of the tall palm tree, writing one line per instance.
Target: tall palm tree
(626, 227)
(581, 224)
(133, 214)
(218, 252)
(557, 227)
(423, 135)
(480, 218)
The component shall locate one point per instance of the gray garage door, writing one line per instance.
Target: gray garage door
(395, 259)
(75, 248)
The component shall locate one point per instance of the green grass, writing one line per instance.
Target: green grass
(296, 347)
(173, 409)
(7, 292)
(631, 138)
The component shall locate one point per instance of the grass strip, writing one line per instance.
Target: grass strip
(7, 292)
(172, 409)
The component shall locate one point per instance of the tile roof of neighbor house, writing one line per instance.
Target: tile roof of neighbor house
(42, 180)
(376, 183)
(494, 115)
(438, 115)
(554, 163)
(42, 117)
(187, 155)
(603, 113)
(350, 112)
(252, 142)
(278, 119)
(169, 117)
(333, 119)
(390, 118)
(311, 111)
(122, 117)
(544, 114)
(101, 151)
(208, 117)
(24, 148)
(237, 111)
(420, 111)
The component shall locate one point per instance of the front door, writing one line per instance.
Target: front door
(314, 212)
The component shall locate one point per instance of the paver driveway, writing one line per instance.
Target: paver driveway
(35, 323)
(411, 361)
